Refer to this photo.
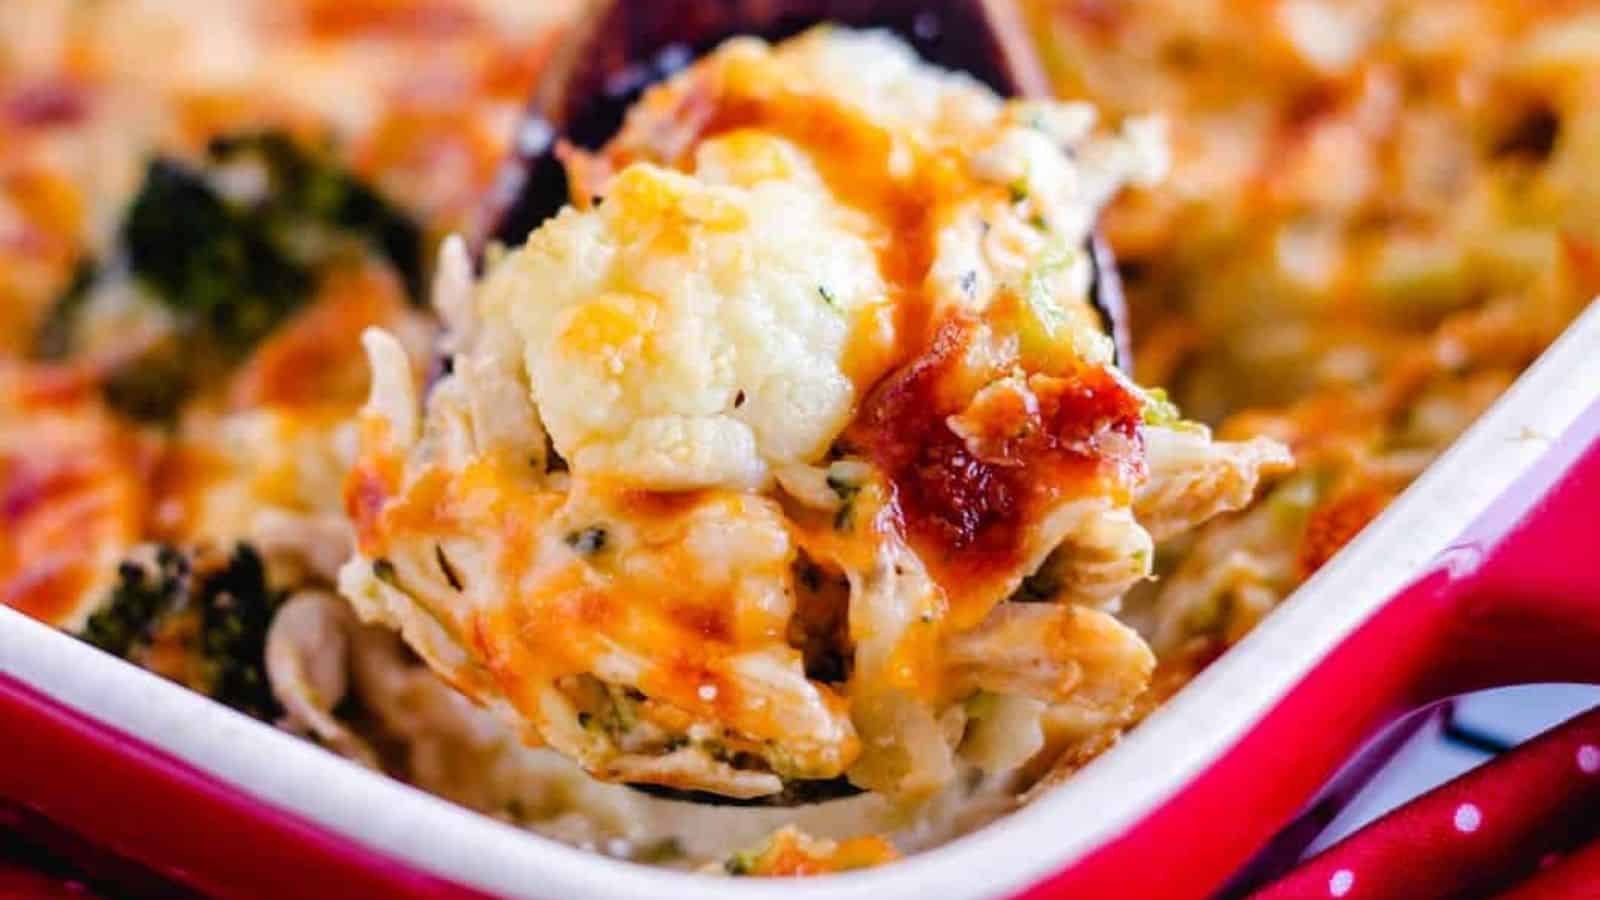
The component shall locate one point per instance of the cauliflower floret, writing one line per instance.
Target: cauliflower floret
(688, 334)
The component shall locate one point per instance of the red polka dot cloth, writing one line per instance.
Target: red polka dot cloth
(1527, 822)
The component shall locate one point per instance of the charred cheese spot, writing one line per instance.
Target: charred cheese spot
(661, 504)
(967, 511)
(704, 621)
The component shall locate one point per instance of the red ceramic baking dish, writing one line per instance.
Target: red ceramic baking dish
(1483, 573)
(1479, 575)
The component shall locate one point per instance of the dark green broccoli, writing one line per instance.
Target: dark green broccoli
(214, 264)
(214, 612)
(143, 594)
(307, 190)
(236, 609)
(233, 268)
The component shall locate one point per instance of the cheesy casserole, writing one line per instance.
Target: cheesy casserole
(791, 460)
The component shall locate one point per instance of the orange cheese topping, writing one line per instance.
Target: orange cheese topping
(791, 853)
(73, 498)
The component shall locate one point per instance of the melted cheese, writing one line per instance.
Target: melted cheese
(74, 492)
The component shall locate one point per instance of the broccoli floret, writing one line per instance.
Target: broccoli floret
(232, 268)
(236, 609)
(209, 617)
(213, 264)
(307, 190)
(240, 266)
(143, 594)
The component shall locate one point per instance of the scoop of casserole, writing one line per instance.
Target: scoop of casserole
(793, 448)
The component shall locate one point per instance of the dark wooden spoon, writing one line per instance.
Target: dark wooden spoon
(621, 47)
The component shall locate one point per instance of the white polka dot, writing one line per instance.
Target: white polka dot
(1341, 883)
(1589, 759)
(1468, 818)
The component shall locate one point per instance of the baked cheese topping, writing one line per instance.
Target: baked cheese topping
(792, 440)
(74, 491)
